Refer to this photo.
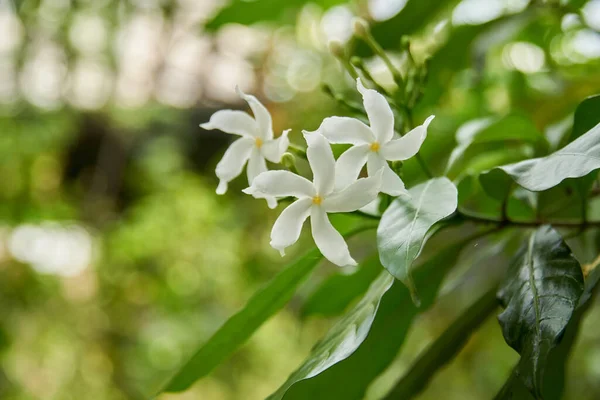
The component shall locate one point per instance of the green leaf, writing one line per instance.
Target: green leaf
(334, 295)
(444, 349)
(250, 12)
(350, 378)
(541, 290)
(554, 376)
(509, 130)
(404, 226)
(587, 115)
(344, 337)
(575, 160)
(261, 306)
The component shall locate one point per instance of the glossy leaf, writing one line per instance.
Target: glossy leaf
(344, 337)
(261, 306)
(336, 293)
(575, 160)
(350, 378)
(404, 226)
(444, 348)
(540, 293)
(554, 376)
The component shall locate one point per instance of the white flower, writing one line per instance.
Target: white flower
(374, 145)
(255, 145)
(315, 199)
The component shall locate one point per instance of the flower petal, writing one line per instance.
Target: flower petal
(349, 164)
(329, 241)
(322, 163)
(233, 161)
(256, 165)
(346, 130)
(234, 122)
(355, 196)
(381, 117)
(408, 145)
(261, 115)
(280, 184)
(391, 182)
(288, 225)
(272, 150)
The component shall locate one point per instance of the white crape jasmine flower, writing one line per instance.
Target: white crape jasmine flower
(374, 145)
(315, 199)
(255, 145)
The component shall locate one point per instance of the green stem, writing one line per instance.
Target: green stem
(423, 165)
(297, 150)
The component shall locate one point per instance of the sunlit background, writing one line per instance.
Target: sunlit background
(116, 256)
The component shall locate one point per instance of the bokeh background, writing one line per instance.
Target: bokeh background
(117, 259)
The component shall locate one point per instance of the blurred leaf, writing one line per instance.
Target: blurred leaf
(444, 349)
(542, 288)
(499, 131)
(250, 12)
(350, 378)
(554, 375)
(261, 306)
(587, 115)
(414, 16)
(336, 293)
(404, 226)
(575, 160)
(343, 338)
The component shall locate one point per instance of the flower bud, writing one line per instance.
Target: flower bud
(288, 160)
(361, 27)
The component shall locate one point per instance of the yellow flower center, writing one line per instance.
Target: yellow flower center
(258, 142)
(374, 146)
(317, 200)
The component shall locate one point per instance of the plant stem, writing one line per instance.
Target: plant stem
(297, 150)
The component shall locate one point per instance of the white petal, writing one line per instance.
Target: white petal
(346, 130)
(256, 165)
(288, 225)
(261, 115)
(233, 161)
(355, 196)
(349, 164)
(234, 122)
(280, 184)
(322, 163)
(381, 117)
(391, 182)
(408, 145)
(272, 150)
(329, 241)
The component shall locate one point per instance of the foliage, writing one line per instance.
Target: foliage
(514, 152)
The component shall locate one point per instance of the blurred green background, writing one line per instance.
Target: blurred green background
(116, 256)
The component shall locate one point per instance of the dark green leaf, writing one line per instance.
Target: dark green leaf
(350, 378)
(261, 306)
(334, 295)
(575, 160)
(541, 290)
(405, 225)
(587, 115)
(444, 349)
(554, 376)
